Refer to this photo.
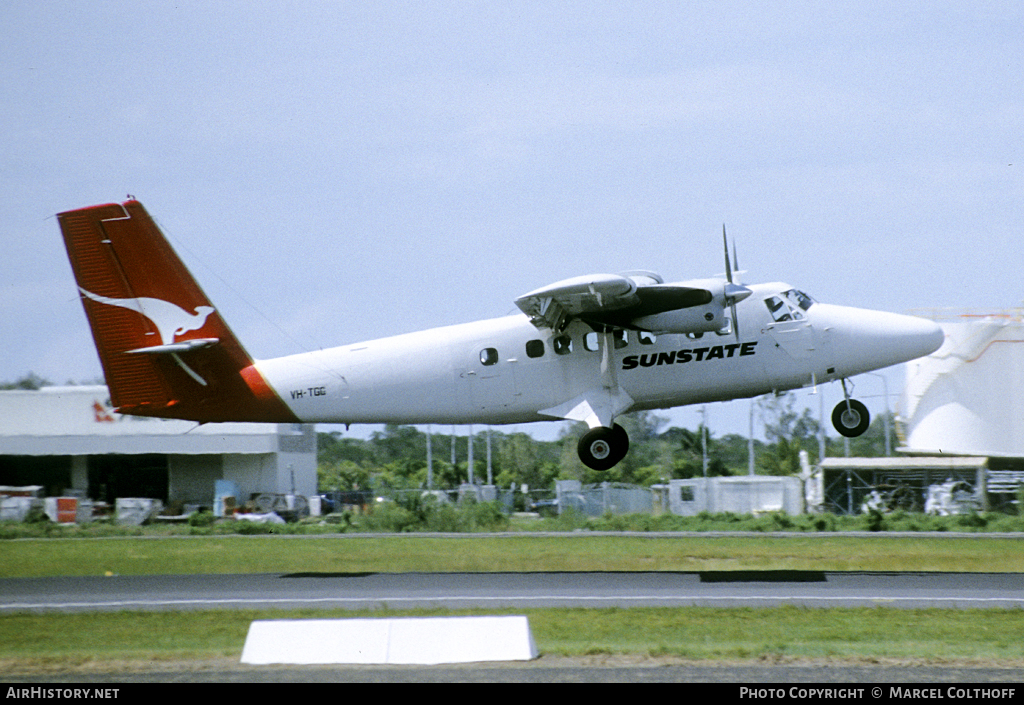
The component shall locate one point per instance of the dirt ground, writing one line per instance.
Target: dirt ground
(602, 668)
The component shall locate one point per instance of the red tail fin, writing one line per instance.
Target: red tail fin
(165, 350)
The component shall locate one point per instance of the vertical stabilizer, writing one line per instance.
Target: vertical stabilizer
(164, 348)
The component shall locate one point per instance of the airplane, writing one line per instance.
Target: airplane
(588, 349)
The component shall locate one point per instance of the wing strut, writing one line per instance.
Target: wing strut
(609, 375)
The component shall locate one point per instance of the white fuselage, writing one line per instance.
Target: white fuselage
(495, 371)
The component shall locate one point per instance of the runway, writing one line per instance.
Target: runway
(514, 590)
(813, 589)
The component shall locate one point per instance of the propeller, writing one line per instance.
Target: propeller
(734, 293)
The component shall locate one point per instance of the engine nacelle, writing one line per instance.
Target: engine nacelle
(708, 318)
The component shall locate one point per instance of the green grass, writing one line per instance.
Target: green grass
(104, 642)
(519, 552)
(33, 643)
(488, 517)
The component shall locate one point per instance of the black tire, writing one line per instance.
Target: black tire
(853, 421)
(602, 448)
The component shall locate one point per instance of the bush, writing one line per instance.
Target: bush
(251, 528)
(972, 520)
(1005, 523)
(824, 522)
(485, 516)
(201, 519)
(340, 521)
(875, 520)
(444, 518)
(391, 517)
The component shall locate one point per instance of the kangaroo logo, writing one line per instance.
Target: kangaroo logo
(170, 320)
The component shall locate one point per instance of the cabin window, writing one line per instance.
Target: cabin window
(645, 338)
(488, 356)
(535, 348)
(592, 340)
(562, 345)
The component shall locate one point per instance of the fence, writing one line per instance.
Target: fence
(606, 498)
(465, 493)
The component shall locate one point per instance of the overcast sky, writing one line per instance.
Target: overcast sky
(339, 171)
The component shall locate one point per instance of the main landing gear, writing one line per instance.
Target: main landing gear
(602, 447)
(850, 417)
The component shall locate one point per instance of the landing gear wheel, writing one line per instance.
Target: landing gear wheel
(602, 448)
(853, 421)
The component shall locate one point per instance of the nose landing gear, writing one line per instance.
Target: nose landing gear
(850, 417)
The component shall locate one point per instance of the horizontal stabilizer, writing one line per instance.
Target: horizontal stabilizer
(184, 346)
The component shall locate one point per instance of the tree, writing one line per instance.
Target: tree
(734, 450)
(343, 475)
(28, 381)
(788, 432)
(398, 443)
(519, 461)
(872, 443)
(332, 448)
(688, 453)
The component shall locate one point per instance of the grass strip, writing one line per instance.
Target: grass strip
(36, 643)
(512, 553)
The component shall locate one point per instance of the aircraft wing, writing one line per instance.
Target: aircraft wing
(615, 300)
(561, 301)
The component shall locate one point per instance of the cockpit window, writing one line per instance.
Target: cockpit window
(778, 308)
(789, 305)
(799, 299)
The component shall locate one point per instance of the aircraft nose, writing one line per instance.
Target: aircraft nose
(867, 340)
(921, 337)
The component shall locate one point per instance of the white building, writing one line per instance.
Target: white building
(68, 438)
(743, 494)
(967, 398)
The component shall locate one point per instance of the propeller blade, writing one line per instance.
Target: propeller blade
(731, 293)
(725, 244)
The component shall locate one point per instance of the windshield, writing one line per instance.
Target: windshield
(789, 305)
(799, 299)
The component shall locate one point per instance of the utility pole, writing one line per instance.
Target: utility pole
(704, 439)
(490, 476)
(821, 427)
(750, 442)
(471, 454)
(430, 461)
(885, 419)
